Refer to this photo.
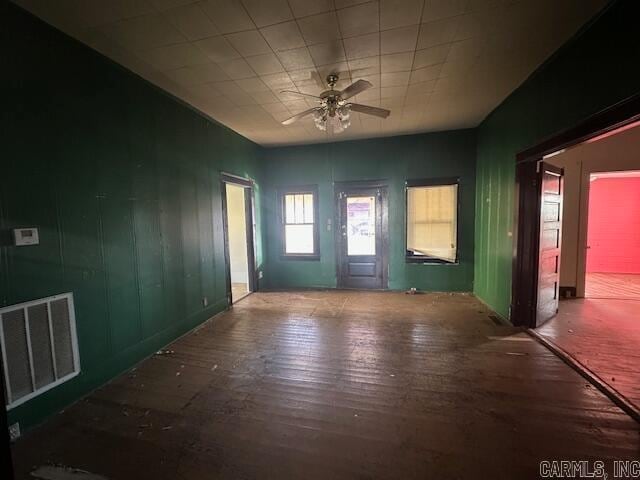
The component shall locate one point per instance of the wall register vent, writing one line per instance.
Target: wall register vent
(39, 347)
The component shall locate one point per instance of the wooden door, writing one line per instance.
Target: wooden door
(551, 185)
(361, 238)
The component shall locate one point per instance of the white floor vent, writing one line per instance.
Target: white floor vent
(39, 347)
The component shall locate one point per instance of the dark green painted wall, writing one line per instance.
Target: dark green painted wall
(122, 182)
(393, 159)
(596, 69)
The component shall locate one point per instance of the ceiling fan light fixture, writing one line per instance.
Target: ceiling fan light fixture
(334, 111)
(344, 112)
(338, 123)
(320, 119)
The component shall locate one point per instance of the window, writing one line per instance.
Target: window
(432, 221)
(299, 222)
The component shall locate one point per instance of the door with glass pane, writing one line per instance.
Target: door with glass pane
(362, 237)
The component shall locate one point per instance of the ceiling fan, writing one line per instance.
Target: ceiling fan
(334, 109)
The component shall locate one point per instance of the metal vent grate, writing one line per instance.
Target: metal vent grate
(39, 346)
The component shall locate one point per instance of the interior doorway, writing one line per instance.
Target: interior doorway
(597, 305)
(237, 200)
(362, 235)
(613, 235)
(618, 121)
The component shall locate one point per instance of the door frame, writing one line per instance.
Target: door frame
(384, 227)
(618, 117)
(249, 204)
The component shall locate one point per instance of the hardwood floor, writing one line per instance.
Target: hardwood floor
(239, 291)
(612, 285)
(339, 385)
(604, 335)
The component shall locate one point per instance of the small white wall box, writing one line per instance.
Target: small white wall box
(25, 236)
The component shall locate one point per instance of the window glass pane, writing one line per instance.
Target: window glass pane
(289, 209)
(361, 225)
(432, 221)
(298, 238)
(299, 208)
(308, 208)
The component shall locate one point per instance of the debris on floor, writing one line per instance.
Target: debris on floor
(164, 352)
(412, 291)
(57, 472)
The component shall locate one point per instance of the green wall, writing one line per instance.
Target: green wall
(394, 159)
(596, 69)
(123, 183)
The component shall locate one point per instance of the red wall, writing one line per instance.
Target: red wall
(614, 225)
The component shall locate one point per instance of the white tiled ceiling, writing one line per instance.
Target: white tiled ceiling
(436, 64)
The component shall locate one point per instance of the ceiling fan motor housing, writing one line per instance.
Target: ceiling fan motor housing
(332, 79)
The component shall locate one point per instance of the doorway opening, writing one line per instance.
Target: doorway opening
(613, 236)
(585, 301)
(237, 201)
(362, 236)
(531, 278)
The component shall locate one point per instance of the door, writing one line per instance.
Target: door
(362, 237)
(551, 185)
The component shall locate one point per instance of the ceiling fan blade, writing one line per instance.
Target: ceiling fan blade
(355, 88)
(298, 116)
(366, 109)
(300, 93)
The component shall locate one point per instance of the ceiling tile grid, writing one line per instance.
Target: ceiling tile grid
(436, 64)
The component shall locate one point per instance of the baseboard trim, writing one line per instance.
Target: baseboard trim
(567, 292)
(614, 395)
(346, 289)
(503, 320)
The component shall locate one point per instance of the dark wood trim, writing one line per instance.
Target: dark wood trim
(6, 470)
(236, 180)
(527, 202)
(300, 257)
(249, 196)
(425, 260)
(299, 189)
(430, 182)
(225, 234)
(361, 184)
(616, 116)
(249, 202)
(527, 243)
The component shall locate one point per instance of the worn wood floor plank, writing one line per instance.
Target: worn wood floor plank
(604, 335)
(340, 385)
